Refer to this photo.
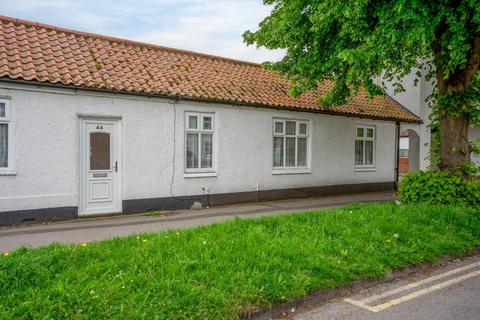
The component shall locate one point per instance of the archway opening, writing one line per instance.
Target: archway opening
(409, 151)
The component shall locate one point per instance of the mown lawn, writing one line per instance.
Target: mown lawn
(223, 270)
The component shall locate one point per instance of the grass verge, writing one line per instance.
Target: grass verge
(223, 270)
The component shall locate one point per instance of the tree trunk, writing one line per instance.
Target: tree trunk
(454, 144)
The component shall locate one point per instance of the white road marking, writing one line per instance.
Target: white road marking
(419, 283)
(363, 303)
(360, 304)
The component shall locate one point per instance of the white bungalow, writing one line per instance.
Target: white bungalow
(96, 125)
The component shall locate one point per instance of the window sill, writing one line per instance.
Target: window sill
(360, 169)
(7, 172)
(199, 174)
(291, 171)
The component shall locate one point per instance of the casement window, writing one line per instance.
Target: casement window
(199, 140)
(5, 137)
(290, 143)
(403, 147)
(403, 153)
(365, 147)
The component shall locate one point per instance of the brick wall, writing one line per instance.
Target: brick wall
(403, 165)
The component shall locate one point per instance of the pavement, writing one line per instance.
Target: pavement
(96, 229)
(446, 292)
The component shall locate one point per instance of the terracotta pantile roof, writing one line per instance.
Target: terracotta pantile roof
(32, 51)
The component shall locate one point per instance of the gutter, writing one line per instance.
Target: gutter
(212, 100)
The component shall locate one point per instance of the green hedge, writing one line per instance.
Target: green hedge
(439, 188)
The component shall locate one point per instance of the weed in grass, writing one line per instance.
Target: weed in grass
(222, 271)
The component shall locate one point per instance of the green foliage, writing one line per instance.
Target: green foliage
(224, 270)
(353, 42)
(439, 188)
(434, 151)
(475, 146)
(469, 168)
(367, 44)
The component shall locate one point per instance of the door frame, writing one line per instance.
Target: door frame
(82, 174)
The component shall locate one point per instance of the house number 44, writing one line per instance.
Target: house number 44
(99, 127)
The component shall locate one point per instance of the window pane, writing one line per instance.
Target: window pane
(207, 123)
(302, 152)
(370, 133)
(368, 153)
(279, 127)
(99, 151)
(207, 150)
(278, 152)
(360, 132)
(192, 122)
(290, 152)
(358, 152)
(2, 110)
(3, 145)
(192, 150)
(403, 153)
(303, 128)
(290, 127)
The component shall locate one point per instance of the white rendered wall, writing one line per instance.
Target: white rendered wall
(414, 99)
(474, 135)
(46, 148)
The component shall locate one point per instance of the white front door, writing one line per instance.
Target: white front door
(100, 176)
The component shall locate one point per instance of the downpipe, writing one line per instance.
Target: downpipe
(397, 155)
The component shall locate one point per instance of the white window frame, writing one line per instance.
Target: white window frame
(9, 170)
(364, 167)
(199, 171)
(291, 169)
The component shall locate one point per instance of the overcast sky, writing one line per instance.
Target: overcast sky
(210, 26)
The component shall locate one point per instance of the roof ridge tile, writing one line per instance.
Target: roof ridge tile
(96, 36)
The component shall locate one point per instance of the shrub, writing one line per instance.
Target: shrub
(439, 188)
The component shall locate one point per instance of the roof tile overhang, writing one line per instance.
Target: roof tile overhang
(39, 53)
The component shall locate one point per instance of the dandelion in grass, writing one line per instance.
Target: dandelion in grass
(83, 244)
(204, 242)
(178, 233)
(6, 254)
(145, 240)
(350, 211)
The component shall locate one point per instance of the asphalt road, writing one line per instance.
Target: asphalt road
(449, 292)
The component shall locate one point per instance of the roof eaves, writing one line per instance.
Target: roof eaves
(206, 100)
(405, 109)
